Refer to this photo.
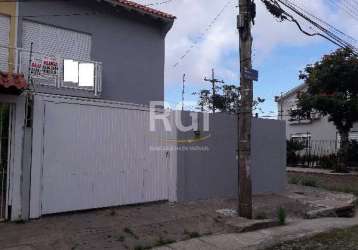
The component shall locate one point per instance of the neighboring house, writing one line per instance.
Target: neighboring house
(8, 28)
(318, 128)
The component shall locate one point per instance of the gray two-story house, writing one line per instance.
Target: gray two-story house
(117, 48)
(76, 78)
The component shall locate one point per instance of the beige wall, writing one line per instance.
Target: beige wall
(10, 9)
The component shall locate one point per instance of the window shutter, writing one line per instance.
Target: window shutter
(4, 41)
(56, 41)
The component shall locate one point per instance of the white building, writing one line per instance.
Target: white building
(316, 129)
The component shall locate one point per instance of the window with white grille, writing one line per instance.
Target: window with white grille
(68, 52)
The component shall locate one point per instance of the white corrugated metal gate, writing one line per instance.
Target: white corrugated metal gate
(4, 42)
(93, 154)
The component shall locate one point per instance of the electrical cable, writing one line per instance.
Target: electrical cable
(202, 35)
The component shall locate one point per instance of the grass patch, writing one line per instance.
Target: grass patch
(121, 238)
(309, 182)
(344, 184)
(294, 180)
(130, 232)
(162, 242)
(192, 235)
(303, 180)
(346, 239)
(140, 247)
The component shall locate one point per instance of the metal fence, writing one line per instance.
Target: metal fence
(50, 69)
(319, 153)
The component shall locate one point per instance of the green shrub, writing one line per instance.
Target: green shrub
(281, 216)
(328, 162)
(353, 152)
(293, 147)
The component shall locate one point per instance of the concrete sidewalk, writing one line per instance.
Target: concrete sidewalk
(267, 237)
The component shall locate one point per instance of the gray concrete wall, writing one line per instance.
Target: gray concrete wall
(130, 46)
(268, 156)
(212, 172)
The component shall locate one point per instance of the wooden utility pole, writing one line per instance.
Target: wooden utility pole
(213, 81)
(245, 19)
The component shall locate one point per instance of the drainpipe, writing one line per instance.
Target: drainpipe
(27, 147)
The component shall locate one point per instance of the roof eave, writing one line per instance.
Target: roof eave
(291, 92)
(168, 19)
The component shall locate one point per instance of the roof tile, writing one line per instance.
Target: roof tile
(9, 82)
(145, 9)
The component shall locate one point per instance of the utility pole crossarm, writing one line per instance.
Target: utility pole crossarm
(213, 81)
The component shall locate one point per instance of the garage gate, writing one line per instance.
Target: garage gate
(93, 154)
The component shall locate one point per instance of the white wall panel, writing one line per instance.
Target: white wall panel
(93, 154)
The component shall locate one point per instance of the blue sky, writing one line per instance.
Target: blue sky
(278, 73)
(280, 50)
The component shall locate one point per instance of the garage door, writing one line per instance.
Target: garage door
(98, 156)
(4, 42)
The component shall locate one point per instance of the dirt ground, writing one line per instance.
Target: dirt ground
(136, 227)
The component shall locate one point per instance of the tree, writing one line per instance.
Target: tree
(332, 90)
(225, 100)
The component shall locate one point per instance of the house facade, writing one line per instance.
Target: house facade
(103, 53)
(120, 43)
(318, 128)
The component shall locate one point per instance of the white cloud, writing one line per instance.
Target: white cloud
(211, 51)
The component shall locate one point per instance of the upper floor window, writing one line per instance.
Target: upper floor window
(61, 57)
(78, 74)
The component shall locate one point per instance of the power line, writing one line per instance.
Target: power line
(275, 8)
(324, 22)
(352, 5)
(334, 4)
(202, 35)
(159, 3)
(349, 6)
(336, 39)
